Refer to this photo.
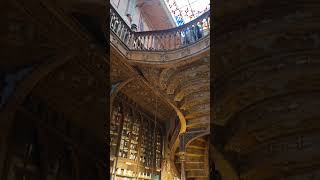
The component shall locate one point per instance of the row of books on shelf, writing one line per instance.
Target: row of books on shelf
(130, 173)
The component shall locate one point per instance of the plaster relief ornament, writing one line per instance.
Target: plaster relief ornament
(146, 56)
(207, 43)
(185, 52)
(163, 57)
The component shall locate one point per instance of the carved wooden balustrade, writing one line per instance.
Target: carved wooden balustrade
(160, 40)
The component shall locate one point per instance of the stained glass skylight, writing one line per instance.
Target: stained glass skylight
(184, 11)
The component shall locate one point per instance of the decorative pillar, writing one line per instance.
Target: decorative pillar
(182, 159)
(182, 155)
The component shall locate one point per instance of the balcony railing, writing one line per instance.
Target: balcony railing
(160, 40)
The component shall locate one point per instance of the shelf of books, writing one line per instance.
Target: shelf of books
(136, 143)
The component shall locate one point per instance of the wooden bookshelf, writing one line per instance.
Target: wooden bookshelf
(136, 142)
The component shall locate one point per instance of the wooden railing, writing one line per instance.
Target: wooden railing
(175, 135)
(161, 40)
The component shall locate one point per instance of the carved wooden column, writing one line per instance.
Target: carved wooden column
(183, 173)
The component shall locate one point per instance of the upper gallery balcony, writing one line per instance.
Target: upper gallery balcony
(166, 40)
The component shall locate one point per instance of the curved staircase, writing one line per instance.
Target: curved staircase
(181, 74)
(196, 159)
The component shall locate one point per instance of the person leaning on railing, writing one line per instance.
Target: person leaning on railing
(192, 34)
(198, 30)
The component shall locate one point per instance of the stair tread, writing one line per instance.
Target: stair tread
(194, 169)
(190, 162)
(196, 147)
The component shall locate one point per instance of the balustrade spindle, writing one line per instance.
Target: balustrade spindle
(122, 33)
(178, 39)
(153, 42)
(125, 31)
(139, 43)
(148, 42)
(136, 42)
(174, 40)
(129, 39)
(169, 41)
(133, 41)
(144, 42)
(164, 42)
(126, 38)
(160, 42)
(120, 29)
(164, 39)
(116, 25)
(112, 20)
(157, 42)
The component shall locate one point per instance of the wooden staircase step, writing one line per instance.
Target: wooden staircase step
(200, 169)
(195, 151)
(196, 147)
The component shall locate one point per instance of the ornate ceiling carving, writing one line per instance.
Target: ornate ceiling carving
(179, 81)
(146, 98)
(137, 90)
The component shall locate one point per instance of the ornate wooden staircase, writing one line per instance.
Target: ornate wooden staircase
(180, 73)
(196, 159)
